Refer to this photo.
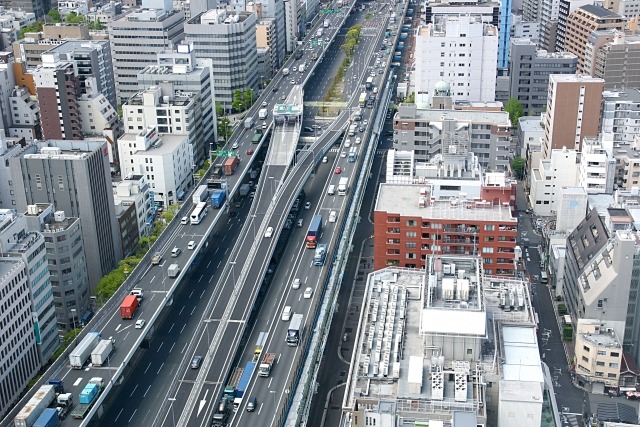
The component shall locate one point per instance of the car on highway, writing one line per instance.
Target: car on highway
(269, 232)
(264, 125)
(295, 69)
(338, 170)
(292, 81)
(252, 194)
(307, 205)
(184, 220)
(196, 362)
(365, 122)
(156, 259)
(295, 284)
(286, 313)
(343, 154)
(264, 103)
(361, 129)
(235, 146)
(283, 97)
(300, 223)
(275, 88)
(192, 245)
(325, 159)
(140, 324)
(252, 404)
(347, 143)
(358, 140)
(307, 293)
(175, 252)
(249, 152)
(332, 216)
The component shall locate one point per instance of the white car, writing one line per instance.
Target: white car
(307, 205)
(365, 122)
(269, 232)
(307, 293)
(264, 103)
(343, 154)
(184, 220)
(325, 159)
(192, 245)
(358, 140)
(332, 216)
(347, 143)
(235, 146)
(286, 313)
(295, 284)
(140, 324)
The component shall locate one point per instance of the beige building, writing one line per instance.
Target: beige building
(266, 44)
(582, 22)
(29, 49)
(573, 111)
(598, 356)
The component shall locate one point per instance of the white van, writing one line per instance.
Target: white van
(332, 190)
(286, 313)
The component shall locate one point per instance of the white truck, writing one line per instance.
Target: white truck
(81, 353)
(263, 113)
(173, 271)
(200, 195)
(326, 23)
(301, 68)
(267, 363)
(352, 129)
(285, 71)
(102, 352)
(34, 407)
(248, 122)
(343, 186)
(320, 255)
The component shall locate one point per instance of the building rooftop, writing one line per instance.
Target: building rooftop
(405, 199)
(67, 149)
(474, 116)
(598, 11)
(530, 124)
(574, 78)
(166, 144)
(626, 95)
(521, 355)
(69, 46)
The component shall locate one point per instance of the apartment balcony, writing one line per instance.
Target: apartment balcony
(460, 229)
(461, 241)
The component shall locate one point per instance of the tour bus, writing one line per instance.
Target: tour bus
(199, 213)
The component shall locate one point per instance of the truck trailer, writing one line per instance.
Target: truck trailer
(243, 384)
(129, 306)
(313, 232)
(65, 403)
(48, 418)
(88, 397)
(267, 363)
(34, 407)
(217, 198)
(200, 195)
(102, 352)
(230, 165)
(263, 113)
(81, 353)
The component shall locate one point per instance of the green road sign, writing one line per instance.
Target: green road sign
(222, 153)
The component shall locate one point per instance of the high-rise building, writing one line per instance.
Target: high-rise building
(291, 24)
(179, 73)
(28, 51)
(630, 9)
(132, 49)
(93, 63)
(75, 177)
(229, 40)
(266, 44)
(19, 354)
(460, 50)
(67, 263)
(10, 147)
(530, 70)
(135, 190)
(581, 23)
(573, 111)
(617, 61)
(565, 8)
(38, 7)
(548, 10)
(275, 9)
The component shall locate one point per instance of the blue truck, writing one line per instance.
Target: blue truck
(88, 396)
(217, 198)
(48, 418)
(397, 56)
(403, 36)
(243, 384)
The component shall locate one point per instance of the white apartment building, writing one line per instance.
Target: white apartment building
(165, 160)
(560, 170)
(134, 190)
(10, 147)
(25, 115)
(597, 167)
(620, 119)
(571, 208)
(460, 50)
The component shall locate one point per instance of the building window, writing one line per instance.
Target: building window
(489, 227)
(411, 223)
(410, 234)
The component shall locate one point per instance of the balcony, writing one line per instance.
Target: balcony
(460, 229)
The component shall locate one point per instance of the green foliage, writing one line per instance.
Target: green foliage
(54, 15)
(248, 98)
(96, 26)
(411, 99)
(170, 212)
(517, 166)
(200, 173)
(515, 110)
(559, 298)
(75, 18)
(66, 340)
(238, 100)
(224, 128)
(32, 382)
(351, 40)
(36, 27)
(562, 309)
(219, 109)
(567, 333)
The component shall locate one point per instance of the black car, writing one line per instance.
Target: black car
(275, 88)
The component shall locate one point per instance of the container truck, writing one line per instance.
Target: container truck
(220, 417)
(88, 396)
(320, 255)
(129, 306)
(34, 407)
(102, 352)
(295, 329)
(243, 384)
(65, 403)
(48, 418)
(369, 84)
(173, 271)
(81, 353)
(244, 190)
(267, 363)
(313, 232)
(217, 198)
(57, 384)
(263, 113)
(343, 186)
(230, 389)
(230, 165)
(200, 195)
(248, 122)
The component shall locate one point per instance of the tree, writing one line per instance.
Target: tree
(248, 98)
(517, 166)
(54, 15)
(238, 100)
(411, 99)
(36, 27)
(515, 110)
(219, 109)
(74, 18)
(224, 128)
(96, 25)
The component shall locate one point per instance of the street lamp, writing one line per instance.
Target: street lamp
(233, 271)
(206, 323)
(173, 414)
(74, 312)
(273, 393)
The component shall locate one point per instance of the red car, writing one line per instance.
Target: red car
(249, 152)
(338, 170)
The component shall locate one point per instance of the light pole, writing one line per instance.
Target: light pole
(273, 393)
(206, 323)
(233, 271)
(74, 312)
(173, 414)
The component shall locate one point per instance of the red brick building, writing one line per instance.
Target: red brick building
(409, 226)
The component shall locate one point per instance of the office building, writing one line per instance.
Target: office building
(630, 9)
(291, 24)
(573, 111)
(10, 147)
(570, 208)
(18, 345)
(66, 261)
(7, 84)
(617, 61)
(128, 227)
(581, 23)
(179, 73)
(75, 177)
(409, 226)
(165, 160)
(530, 70)
(548, 10)
(458, 353)
(28, 51)
(92, 60)
(531, 10)
(275, 10)
(38, 7)
(621, 116)
(524, 29)
(17, 240)
(460, 50)
(134, 190)
(529, 136)
(267, 47)
(429, 132)
(132, 49)
(229, 40)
